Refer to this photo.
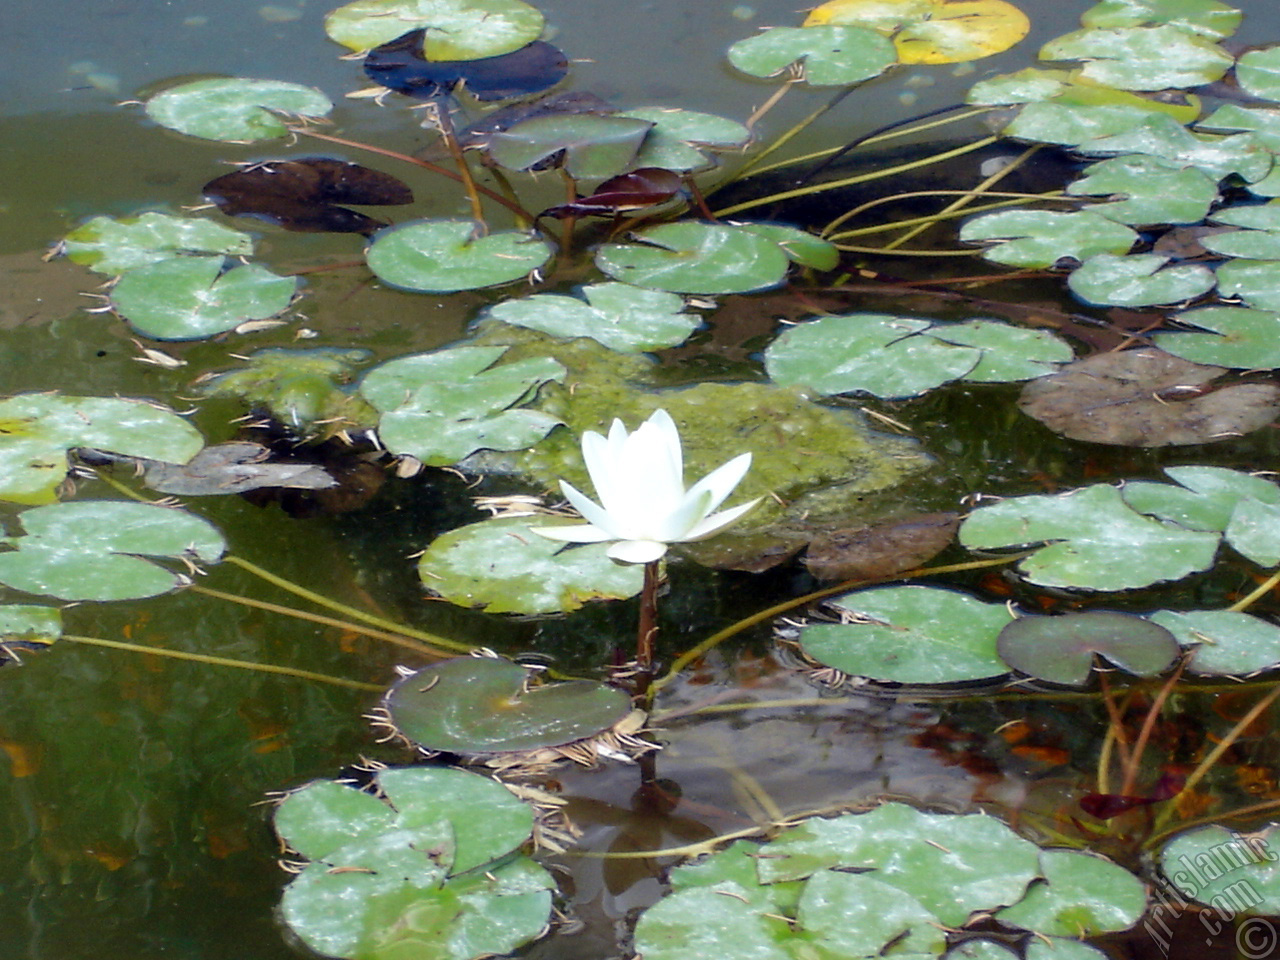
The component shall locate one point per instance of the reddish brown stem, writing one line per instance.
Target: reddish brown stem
(645, 633)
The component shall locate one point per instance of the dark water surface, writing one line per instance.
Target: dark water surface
(131, 827)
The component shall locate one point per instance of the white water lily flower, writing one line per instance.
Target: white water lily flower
(639, 478)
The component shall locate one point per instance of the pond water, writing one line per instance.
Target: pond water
(133, 823)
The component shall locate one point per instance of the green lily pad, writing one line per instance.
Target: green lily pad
(830, 56)
(691, 257)
(483, 705)
(445, 256)
(1062, 649)
(953, 864)
(1041, 238)
(1009, 353)
(1226, 642)
(800, 246)
(589, 146)
(1083, 896)
(1259, 241)
(980, 950)
(872, 353)
(1206, 498)
(1029, 85)
(863, 915)
(235, 109)
(431, 875)
(190, 298)
(1142, 58)
(441, 407)
(112, 246)
(455, 29)
(676, 137)
(1138, 280)
(1154, 190)
(303, 389)
(1259, 73)
(1208, 18)
(1094, 540)
(1160, 135)
(37, 430)
(1233, 872)
(622, 317)
(1068, 122)
(1059, 948)
(1238, 337)
(25, 626)
(1262, 122)
(1256, 282)
(94, 550)
(910, 635)
(504, 567)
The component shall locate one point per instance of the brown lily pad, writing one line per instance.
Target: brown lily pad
(882, 549)
(1147, 398)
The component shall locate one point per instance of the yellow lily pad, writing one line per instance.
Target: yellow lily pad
(932, 31)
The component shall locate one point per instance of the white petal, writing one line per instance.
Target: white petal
(595, 454)
(574, 533)
(718, 521)
(594, 514)
(677, 524)
(721, 481)
(637, 551)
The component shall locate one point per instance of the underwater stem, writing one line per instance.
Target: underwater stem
(225, 662)
(645, 633)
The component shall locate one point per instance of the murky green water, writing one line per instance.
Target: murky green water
(131, 825)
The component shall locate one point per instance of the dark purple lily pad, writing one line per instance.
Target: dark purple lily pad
(1062, 649)
(302, 195)
(641, 188)
(401, 66)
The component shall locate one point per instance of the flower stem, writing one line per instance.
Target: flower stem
(645, 633)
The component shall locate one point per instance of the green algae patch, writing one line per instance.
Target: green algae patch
(808, 459)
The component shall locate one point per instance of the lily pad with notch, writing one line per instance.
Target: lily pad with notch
(679, 138)
(434, 870)
(1223, 642)
(587, 146)
(1160, 135)
(504, 567)
(453, 29)
(1255, 282)
(1092, 540)
(37, 430)
(1062, 649)
(1259, 238)
(401, 65)
(1042, 238)
(910, 635)
(689, 257)
(1206, 498)
(1240, 869)
(932, 31)
(1153, 191)
(235, 109)
(191, 298)
(1082, 895)
(828, 55)
(1208, 18)
(1237, 337)
(622, 317)
(95, 550)
(446, 256)
(304, 194)
(1147, 398)
(1138, 280)
(477, 706)
(802, 247)
(112, 246)
(1142, 58)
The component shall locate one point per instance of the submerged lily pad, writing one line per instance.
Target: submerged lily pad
(443, 406)
(504, 567)
(484, 705)
(691, 257)
(932, 31)
(453, 29)
(112, 246)
(94, 550)
(432, 872)
(25, 626)
(910, 635)
(1094, 541)
(227, 468)
(1225, 642)
(190, 298)
(37, 430)
(235, 109)
(445, 256)
(1147, 398)
(830, 56)
(1062, 649)
(620, 316)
